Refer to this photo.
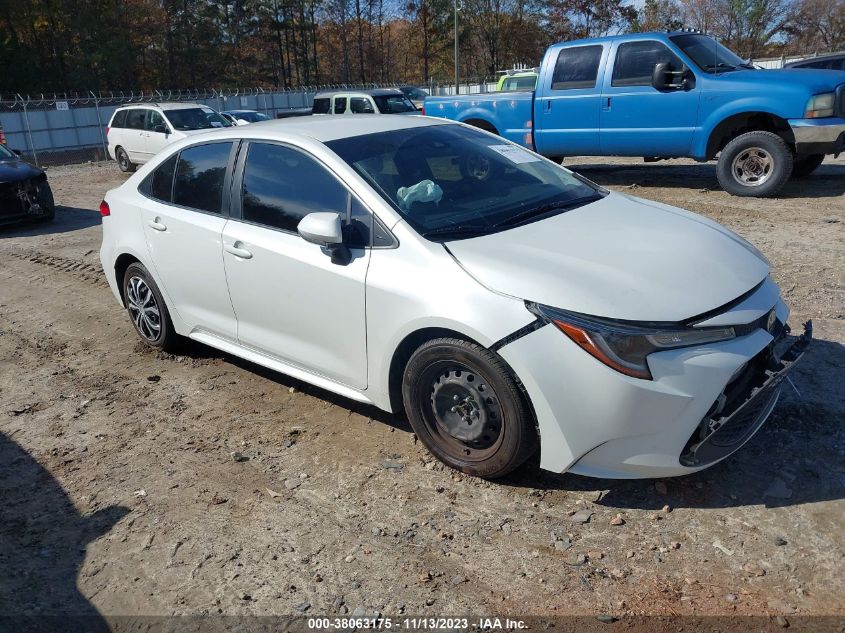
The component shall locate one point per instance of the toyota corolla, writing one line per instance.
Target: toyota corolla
(505, 304)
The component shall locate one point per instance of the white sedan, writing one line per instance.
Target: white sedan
(505, 304)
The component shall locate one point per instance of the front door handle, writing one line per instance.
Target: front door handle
(237, 249)
(157, 225)
(605, 106)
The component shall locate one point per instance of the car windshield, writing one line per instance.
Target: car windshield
(392, 104)
(708, 54)
(451, 182)
(252, 117)
(414, 93)
(196, 119)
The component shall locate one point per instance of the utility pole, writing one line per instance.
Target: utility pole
(457, 86)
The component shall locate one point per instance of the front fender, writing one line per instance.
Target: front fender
(725, 106)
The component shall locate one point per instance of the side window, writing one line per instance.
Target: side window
(281, 186)
(154, 119)
(577, 67)
(161, 186)
(635, 62)
(200, 171)
(119, 119)
(135, 118)
(339, 105)
(359, 105)
(321, 106)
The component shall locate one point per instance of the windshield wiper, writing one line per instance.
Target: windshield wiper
(546, 208)
(457, 229)
(721, 65)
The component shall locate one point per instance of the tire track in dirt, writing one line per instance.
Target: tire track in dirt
(87, 272)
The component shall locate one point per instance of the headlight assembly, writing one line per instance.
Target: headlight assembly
(624, 346)
(820, 106)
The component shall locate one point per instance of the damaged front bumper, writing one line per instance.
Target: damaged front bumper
(746, 402)
(21, 200)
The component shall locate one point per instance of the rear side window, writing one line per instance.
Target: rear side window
(340, 105)
(200, 172)
(577, 67)
(635, 62)
(119, 119)
(161, 186)
(359, 105)
(281, 186)
(135, 118)
(321, 106)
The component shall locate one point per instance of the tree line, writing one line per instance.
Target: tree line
(80, 45)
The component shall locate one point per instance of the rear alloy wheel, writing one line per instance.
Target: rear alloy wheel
(123, 162)
(465, 406)
(806, 165)
(754, 164)
(147, 310)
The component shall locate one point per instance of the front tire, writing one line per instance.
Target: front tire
(754, 164)
(466, 407)
(803, 166)
(47, 202)
(124, 164)
(147, 309)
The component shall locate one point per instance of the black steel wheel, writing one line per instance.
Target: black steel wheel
(147, 310)
(123, 162)
(465, 406)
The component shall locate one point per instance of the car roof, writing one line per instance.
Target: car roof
(325, 128)
(818, 58)
(235, 111)
(167, 105)
(374, 92)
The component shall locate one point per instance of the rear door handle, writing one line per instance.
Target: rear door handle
(237, 249)
(157, 225)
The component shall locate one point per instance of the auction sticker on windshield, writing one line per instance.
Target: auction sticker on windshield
(514, 154)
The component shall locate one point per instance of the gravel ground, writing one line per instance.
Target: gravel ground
(119, 490)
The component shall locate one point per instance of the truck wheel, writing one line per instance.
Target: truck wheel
(806, 165)
(754, 164)
(465, 406)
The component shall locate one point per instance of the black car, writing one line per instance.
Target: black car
(25, 193)
(825, 62)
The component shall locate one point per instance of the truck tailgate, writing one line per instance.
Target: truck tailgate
(509, 114)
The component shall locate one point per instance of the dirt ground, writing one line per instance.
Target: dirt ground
(119, 490)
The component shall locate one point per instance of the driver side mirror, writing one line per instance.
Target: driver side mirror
(325, 229)
(664, 78)
(161, 129)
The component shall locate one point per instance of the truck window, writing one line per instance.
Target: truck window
(360, 105)
(339, 105)
(635, 62)
(577, 67)
(321, 106)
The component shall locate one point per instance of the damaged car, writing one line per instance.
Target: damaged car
(25, 194)
(505, 304)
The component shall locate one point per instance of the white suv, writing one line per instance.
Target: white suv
(136, 133)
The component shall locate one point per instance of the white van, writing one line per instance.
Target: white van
(138, 132)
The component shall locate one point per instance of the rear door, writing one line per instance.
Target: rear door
(292, 302)
(567, 105)
(636, 118)
(183, 223)
(133, 137)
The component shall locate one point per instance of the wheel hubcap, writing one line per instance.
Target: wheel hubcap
(143, 309)
(465, 410)
(753, 166)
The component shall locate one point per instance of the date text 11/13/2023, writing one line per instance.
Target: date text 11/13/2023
(411, 623)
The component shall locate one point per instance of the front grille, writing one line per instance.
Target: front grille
(840, 101)
(737, 427)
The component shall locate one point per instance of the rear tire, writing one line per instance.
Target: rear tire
(803, 166)
(754, 164)
(123, 162)
(466, 407)
(147, 309)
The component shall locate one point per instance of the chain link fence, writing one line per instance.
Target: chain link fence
(71, 128)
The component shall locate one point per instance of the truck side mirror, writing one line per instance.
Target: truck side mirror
(660, 78)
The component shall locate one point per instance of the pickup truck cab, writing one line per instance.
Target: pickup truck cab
(669, 95)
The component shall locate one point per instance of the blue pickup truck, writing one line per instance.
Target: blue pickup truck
(669, 95)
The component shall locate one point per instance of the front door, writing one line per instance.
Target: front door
(291, 301)
(158, 133)
(636, 118)
(183, 225)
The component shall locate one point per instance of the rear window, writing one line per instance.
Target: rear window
(200, 172)
(119, 119)
(577, 68)
(321, 106)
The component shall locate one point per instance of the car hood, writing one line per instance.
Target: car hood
(17, 170)
(814, 80)
(619, 258)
